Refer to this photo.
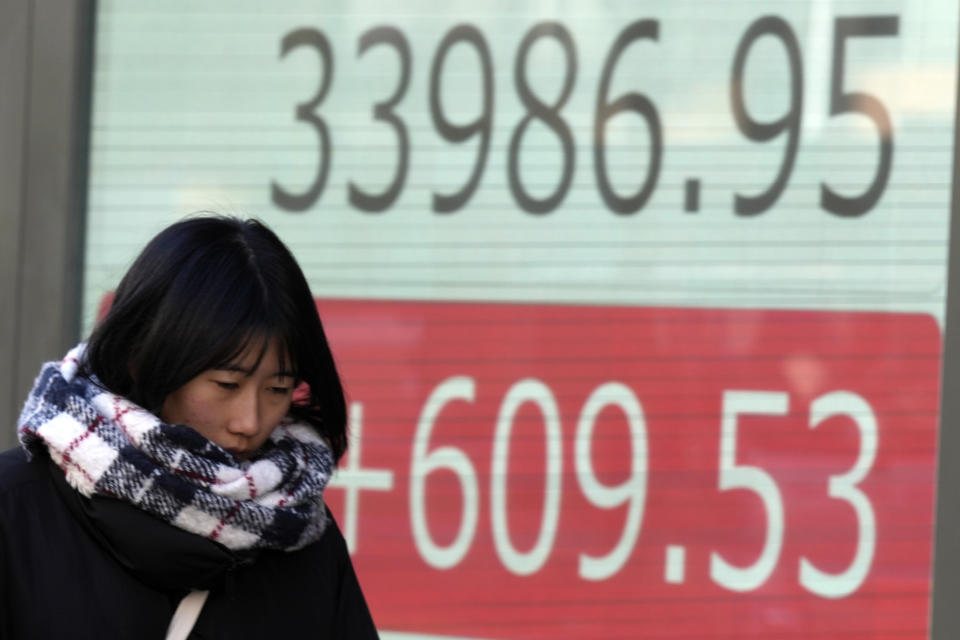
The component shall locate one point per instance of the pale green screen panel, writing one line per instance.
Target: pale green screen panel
(196, 108)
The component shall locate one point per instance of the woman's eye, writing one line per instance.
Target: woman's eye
(227, 385)
(281, 391)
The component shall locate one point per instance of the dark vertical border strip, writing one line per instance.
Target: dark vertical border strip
(14, 361)
(56, 140)
(945, 612)
(82, 124)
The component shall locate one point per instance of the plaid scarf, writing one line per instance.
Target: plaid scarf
(109, 446)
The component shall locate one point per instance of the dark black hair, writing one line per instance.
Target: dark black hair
(201, 292)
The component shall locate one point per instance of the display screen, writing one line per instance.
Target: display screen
(638, 305)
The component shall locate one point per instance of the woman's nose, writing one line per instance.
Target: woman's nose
(245, 415)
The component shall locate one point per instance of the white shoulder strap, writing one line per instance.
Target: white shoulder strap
(186, 615)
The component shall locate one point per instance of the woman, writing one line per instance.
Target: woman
(176, 461)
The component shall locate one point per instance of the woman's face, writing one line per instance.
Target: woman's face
(237, 406)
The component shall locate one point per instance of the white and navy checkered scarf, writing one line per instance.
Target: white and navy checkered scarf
(109, 446)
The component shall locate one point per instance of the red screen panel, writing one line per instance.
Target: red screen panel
(538, 471)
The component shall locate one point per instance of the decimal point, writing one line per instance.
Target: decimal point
(675, 567)
(691, 199)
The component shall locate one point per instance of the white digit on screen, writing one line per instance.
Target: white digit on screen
(452, 459)
(632, 490)
(525, 563)
(734, 476)
(843, 487)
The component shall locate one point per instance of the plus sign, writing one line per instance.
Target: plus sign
(353, 479)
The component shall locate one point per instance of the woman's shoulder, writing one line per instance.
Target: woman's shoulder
(25, 488)
(19, 473)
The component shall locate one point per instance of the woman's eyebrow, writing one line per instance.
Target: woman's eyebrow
(232, 367)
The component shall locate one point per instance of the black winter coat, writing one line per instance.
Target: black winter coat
(77, 568)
